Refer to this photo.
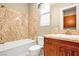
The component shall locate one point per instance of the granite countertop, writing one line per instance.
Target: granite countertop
(66, 37)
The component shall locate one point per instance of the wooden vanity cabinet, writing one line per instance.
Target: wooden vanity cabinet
(56, 47)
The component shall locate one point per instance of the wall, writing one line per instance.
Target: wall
(55, 14)
(54, 18)
(44, 29)
(13, 24)
(33, 21)
(19, 7)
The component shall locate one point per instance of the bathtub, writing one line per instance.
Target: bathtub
(16, 48)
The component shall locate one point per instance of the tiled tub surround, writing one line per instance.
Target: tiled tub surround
(16, 25)
(13, 25)
(33, 21)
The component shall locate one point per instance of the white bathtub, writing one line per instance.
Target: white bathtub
(16, 48)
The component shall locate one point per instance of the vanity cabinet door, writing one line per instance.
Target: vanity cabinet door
(65, 51)
(47, 47)
(50, 48)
